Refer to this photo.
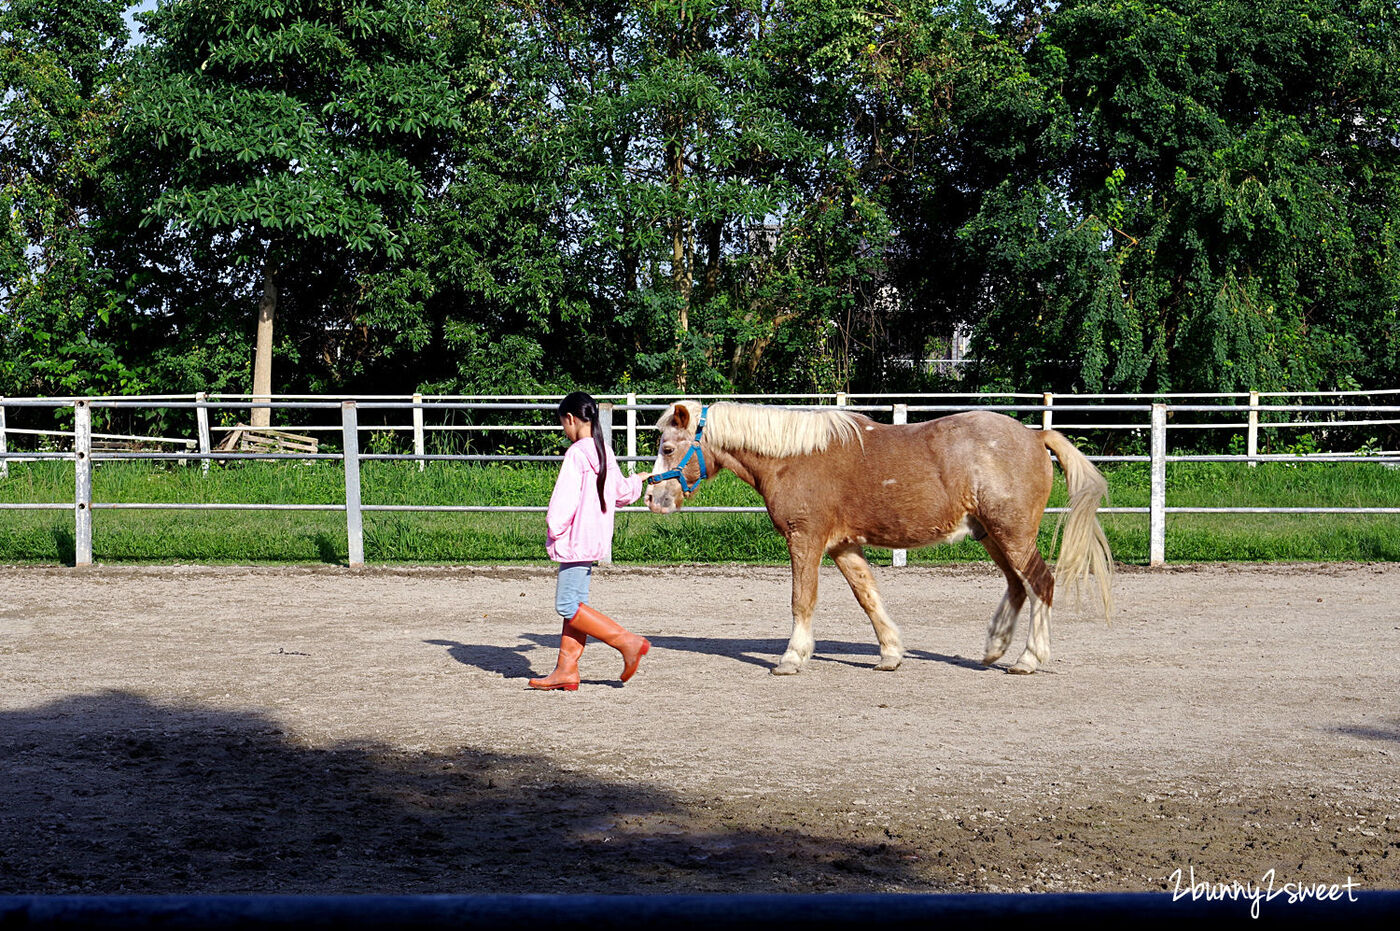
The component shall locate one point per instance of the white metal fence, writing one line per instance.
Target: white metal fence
(1246, 415)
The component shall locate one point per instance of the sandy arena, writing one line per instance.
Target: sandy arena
(319, 730)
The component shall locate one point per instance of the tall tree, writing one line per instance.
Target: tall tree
(60, 70)
(300, 138)
(1219, 213)
(671, 142)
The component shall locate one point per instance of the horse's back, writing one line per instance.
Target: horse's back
(918, 484)
(992, 450)
(964, 443)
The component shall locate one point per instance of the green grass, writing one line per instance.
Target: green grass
(395, 537)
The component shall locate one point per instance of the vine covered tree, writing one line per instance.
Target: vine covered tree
(1212, 201)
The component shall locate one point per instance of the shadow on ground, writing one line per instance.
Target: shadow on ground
(1389, 731)
(111, 793)
(763, 653)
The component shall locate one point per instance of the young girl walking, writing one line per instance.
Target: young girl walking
(580, 528)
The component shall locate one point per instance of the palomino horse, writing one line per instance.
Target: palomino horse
(834, 482)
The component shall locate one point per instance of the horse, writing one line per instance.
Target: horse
(835, 481)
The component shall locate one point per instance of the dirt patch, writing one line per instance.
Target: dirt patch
(184, 729)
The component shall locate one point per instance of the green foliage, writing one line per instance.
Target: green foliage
(61, 322)
(294, 143)
(456, 195)
(670, 141)
(1220, 214)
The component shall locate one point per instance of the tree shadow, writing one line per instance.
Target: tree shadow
(110, 793)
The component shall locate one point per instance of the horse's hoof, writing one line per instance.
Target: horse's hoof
(786, 669)
(990, 658)
(888, 665)
(1021, 669)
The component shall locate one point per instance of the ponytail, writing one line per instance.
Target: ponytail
(581, 405)
(602, 458)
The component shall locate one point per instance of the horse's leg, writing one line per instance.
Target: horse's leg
(1020, 556)
(806, 562)
(853, 565)
(1003, 625)
(1040, 584)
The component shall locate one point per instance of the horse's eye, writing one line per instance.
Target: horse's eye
(668, 450)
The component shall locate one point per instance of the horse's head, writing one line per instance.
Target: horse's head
(677, 427)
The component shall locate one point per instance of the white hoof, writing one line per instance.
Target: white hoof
(889, 663)
(1024, 666)
(786, 669)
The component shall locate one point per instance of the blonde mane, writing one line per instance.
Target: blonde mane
(771, 431)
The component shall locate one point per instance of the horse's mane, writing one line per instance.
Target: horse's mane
(771, 431)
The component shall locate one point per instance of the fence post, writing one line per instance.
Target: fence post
(201, 416)
(899, 558)
(1252, 440)
(631, 433)
(82, 483)
(605, 423)
(840, 399)
(1047, 418)
(4, 460)
(419, 447)
(354, 526)
(1157, 512)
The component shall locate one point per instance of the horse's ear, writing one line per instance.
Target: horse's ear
(680, 416)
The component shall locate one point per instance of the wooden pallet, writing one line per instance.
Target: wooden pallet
(109, 445)
(266, 440)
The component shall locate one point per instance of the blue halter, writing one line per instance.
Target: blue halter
(678, 473)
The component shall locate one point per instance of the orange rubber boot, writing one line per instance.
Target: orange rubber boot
(565, 674)
(632, 646)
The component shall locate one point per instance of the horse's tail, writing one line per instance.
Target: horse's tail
(1084, 548)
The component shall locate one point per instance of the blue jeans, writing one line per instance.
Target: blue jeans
(571, 590)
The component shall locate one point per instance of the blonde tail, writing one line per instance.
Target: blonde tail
(1084, 549)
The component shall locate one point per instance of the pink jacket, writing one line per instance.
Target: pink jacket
(578, 529)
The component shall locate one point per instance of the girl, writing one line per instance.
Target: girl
(580, 528)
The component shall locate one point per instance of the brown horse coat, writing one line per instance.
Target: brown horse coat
(834, 482)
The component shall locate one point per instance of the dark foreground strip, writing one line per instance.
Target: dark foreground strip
(1133, 912)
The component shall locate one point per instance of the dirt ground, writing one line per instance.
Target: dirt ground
(321, 730)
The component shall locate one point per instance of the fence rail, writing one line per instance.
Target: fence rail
(1158, 414)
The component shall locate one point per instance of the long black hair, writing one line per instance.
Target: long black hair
(582, 406)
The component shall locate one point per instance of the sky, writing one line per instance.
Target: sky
(141, 7)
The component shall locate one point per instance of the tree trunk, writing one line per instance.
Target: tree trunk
(681, 276)
(714, 238)
(262, 357)
(682, 245)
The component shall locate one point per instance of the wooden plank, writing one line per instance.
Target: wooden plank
(230, 441)
(249, 440)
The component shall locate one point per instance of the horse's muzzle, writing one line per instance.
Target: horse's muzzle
(664, 497)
